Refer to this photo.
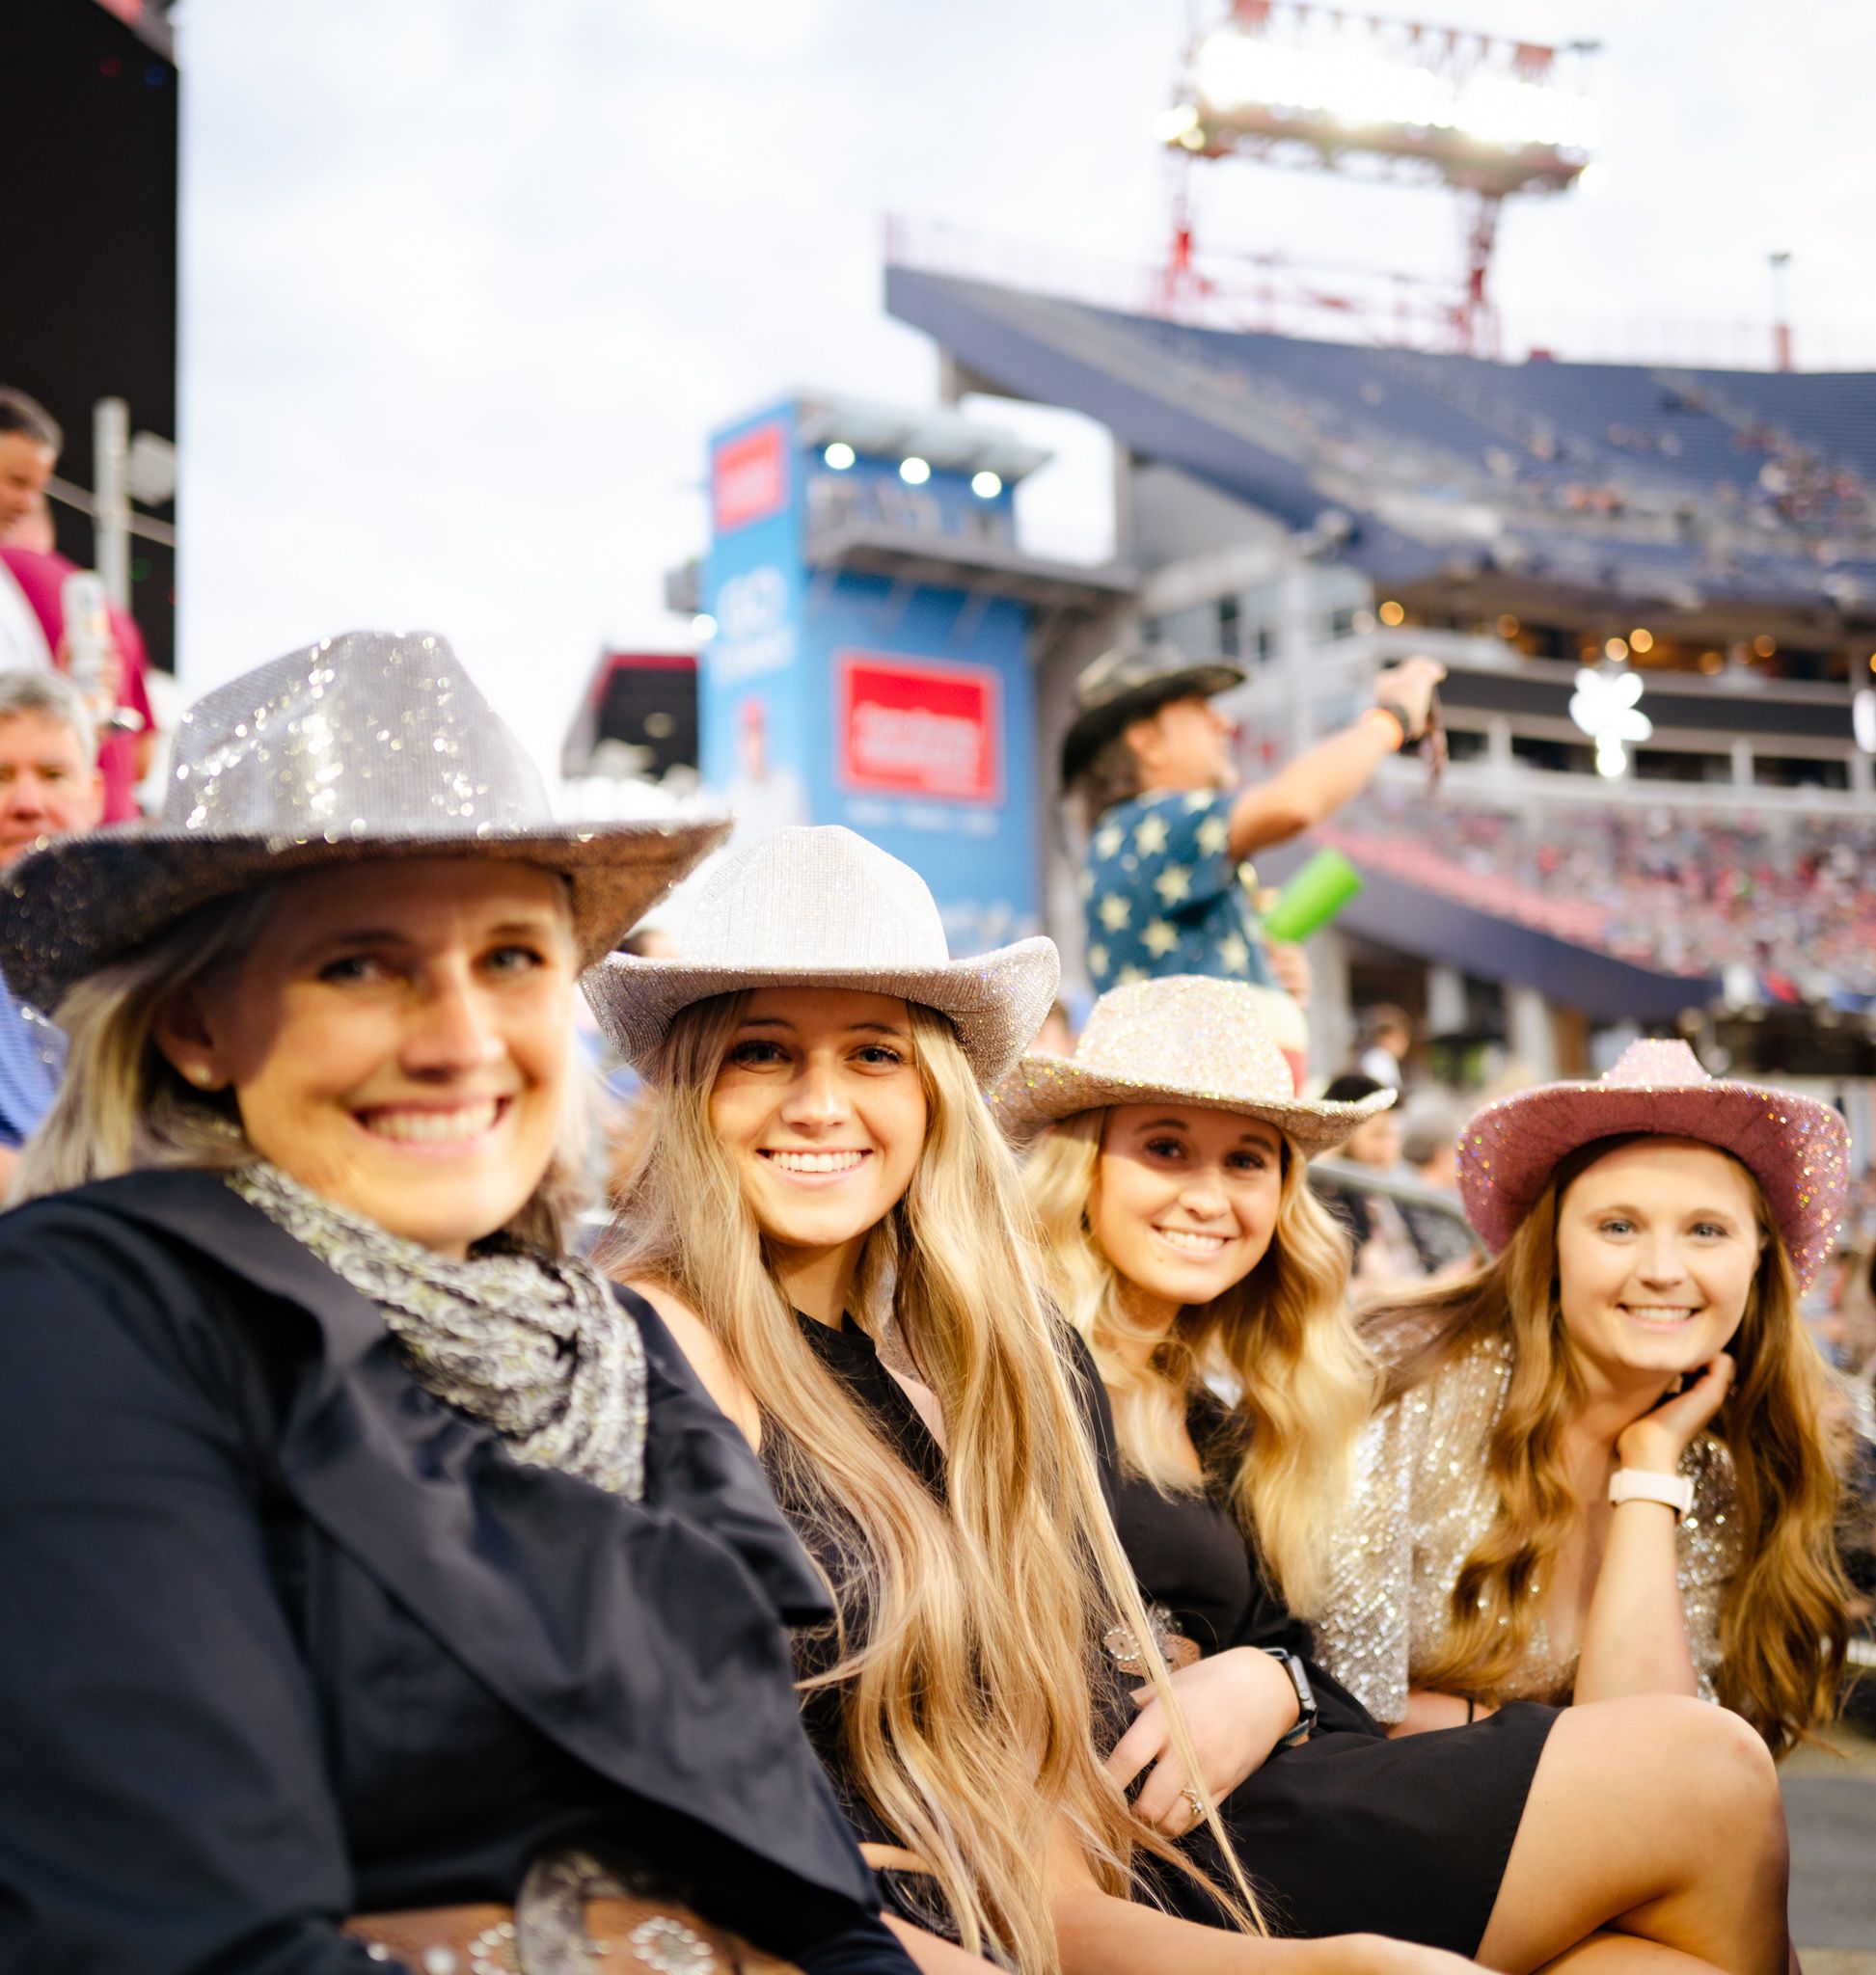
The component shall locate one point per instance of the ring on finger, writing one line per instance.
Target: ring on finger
(1194, 1802)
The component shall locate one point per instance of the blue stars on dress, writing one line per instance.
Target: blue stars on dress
(1162, 894)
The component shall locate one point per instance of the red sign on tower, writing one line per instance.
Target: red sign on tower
(748, 478)
(919, 727)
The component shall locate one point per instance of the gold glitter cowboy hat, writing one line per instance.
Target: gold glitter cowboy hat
(1188, 1039)
(1798, 1149)
(373, 745)
(826, 908)
(1124, 686)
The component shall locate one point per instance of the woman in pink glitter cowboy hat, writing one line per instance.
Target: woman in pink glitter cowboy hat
(1603, 1466)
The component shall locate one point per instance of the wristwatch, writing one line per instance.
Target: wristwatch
(1399, 714)
(1641, 1484)
(1306, 1708)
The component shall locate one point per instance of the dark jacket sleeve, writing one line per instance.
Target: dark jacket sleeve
(163, 1803)
(698, 1465)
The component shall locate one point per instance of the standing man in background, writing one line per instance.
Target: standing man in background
(49, 785)
(1167, 889)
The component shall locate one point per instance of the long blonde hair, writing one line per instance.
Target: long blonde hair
(967, 1709)
(1283, 1337)
(122, 1107)
(1783, 1632)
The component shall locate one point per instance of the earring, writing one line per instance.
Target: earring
(201, 1074)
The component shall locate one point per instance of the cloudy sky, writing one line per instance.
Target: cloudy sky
(466, 282)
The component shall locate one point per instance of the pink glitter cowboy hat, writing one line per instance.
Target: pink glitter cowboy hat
(1797, 1147)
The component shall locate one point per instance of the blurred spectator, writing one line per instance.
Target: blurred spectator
(1429, 1139)
(1390, 1038)
(30, 443)
(1056, 1036)
(49, 784)
(1385, 1253)
(650, 942)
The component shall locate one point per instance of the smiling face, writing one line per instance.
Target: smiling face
(820, 1105)
(1657, 1246)
(1184, 1202)
(397, 1039)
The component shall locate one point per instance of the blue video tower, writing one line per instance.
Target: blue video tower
(880, 697)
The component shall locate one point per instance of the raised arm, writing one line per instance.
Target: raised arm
(1312, 786)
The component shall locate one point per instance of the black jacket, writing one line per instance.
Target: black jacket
(282, 1638)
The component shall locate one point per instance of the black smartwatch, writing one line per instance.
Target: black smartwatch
(1306, 1708)
(1398, 712)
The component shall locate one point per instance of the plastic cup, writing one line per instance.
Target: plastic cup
(1313, 896)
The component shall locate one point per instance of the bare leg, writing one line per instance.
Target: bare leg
(1656, 1817)
(1624, 1954)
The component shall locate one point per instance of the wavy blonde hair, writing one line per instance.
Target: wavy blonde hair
(1282, 1336)
(967, 1708)
(1783, 1627)
(122, 1108)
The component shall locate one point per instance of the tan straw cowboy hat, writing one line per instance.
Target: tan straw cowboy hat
(1188, 1039)
(1798, 1149)
(369, 746)
(823, 908)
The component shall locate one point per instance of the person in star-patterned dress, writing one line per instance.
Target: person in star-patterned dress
(1166, 889)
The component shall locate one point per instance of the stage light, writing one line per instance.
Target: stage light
(1764, 646)
(1366, 91)
(987, 485)
(1715, 662)
(1640, 640)
(1863, 718)
(914, 471)
(1507, 626)
(704, 627)
(1616, 648)
(1872, 661)
(839, 455)
(1177, 124)
(1392, 614)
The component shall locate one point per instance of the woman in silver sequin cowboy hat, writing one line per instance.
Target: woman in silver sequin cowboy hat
(826, 1218)
(1622, 1408)
(1169, 1180)
(401, 1568)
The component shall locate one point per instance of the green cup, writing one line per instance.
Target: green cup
(1313, 896)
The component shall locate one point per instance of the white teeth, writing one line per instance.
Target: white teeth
(1659, 1313)
(1193, 1244)
(434, 1127)
(817, 1162)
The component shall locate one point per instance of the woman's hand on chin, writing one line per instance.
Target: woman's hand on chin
(1655, 1442)
(1238, 1705)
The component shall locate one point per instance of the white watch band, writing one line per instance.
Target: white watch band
(1639, 1484)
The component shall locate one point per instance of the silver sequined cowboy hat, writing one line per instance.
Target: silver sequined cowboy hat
(370, 745)
(823, 908)
(1187, 1039)
(1124, 686)
(1797, 1147)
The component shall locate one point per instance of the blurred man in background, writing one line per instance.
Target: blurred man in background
(32, 631)
(1149, 758)
(49, 785)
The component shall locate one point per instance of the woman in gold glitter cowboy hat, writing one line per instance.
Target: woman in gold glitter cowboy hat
(1604, 1467)
(1169, 1177)
(363, 1554)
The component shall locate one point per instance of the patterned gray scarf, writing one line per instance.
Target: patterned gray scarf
(533, 1345)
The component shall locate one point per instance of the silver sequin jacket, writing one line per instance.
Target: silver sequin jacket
(1422, 1500)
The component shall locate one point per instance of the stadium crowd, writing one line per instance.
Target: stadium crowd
(1669, 889)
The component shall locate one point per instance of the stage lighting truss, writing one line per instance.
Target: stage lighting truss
(1484, 114)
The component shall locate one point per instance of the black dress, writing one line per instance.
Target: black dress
(1349, 1832)
(285, 1639)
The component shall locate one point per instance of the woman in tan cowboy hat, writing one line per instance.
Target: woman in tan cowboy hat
(1603, 1468)
(830, 1222)
(362, 1555)
(1169, 1180)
